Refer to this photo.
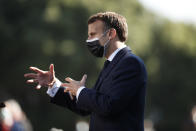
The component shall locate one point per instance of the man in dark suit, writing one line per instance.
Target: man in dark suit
(116, 102)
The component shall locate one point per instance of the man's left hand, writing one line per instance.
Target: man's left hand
(74, 85)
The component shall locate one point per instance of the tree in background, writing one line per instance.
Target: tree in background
(42, 32)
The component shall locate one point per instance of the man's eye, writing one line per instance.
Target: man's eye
(92, 34)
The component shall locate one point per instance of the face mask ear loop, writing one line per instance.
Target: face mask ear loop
(105, 47)
(104, 34)
(106, 44)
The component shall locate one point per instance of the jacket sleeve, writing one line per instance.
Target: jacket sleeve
(126, 81)
(63, 99)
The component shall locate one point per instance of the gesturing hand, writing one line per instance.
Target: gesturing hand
(43, 78)
(73, 85)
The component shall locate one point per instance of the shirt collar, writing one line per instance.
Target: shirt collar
(111, 57)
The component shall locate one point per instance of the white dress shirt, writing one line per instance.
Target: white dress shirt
(52, 91)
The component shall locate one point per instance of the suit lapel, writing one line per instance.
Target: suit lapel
(116, 59)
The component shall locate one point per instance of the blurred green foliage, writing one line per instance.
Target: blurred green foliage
(37, 33)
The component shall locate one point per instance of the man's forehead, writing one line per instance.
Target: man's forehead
(96, 26)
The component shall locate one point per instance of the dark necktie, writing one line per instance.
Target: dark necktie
(106, 63)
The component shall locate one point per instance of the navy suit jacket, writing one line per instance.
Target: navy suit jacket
(116, 102)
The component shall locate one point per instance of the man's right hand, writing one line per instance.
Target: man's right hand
(42, 78)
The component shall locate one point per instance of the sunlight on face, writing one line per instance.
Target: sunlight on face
(95, 29)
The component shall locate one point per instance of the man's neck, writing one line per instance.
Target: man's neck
(114, 46)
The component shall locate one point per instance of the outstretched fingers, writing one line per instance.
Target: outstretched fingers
(83, 80)
(68, 90)
(66, 85)
(32, 81)
(70, 93)
(68, 79)
(38, 86)
(37, 70)
(30, 75)
(52, 69)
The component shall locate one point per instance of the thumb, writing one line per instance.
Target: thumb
(83, 80)
(52, 68)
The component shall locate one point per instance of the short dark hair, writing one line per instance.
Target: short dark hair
(112, 20)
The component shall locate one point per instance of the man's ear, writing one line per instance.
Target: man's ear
(112, 33)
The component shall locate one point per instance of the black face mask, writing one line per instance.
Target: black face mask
(96, 48)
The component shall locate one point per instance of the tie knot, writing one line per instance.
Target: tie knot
(106, 63)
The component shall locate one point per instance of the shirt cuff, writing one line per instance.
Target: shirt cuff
(78, 91)
(53, 90)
